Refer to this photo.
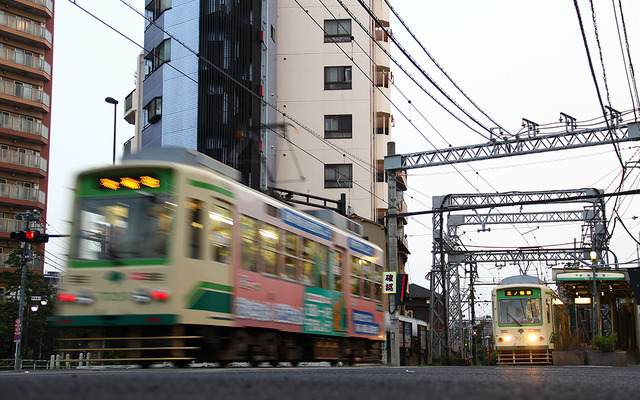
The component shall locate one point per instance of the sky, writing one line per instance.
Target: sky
(514, 59)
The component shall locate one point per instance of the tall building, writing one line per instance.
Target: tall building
(334, 78)
(206, 72)
(26, 56)
(296, 97)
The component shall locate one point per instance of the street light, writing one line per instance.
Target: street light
(113, 101)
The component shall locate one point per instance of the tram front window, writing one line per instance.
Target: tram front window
(123, 228)
(520, 311)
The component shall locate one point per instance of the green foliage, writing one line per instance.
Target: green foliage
(605, 343)
(37, 336)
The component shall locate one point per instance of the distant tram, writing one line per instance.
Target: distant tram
(175, 261)
(523, 321)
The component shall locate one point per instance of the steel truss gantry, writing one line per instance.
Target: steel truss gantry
(446, 300)
(446, 311)
(518, 145)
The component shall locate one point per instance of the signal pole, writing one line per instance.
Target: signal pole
(392, 260)
(26, 248)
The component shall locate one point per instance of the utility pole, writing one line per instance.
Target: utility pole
(392, 259)
(26, 255)
(473, 268)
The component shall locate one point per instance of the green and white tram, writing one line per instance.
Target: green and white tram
(523, 321)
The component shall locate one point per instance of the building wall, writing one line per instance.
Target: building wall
(26, 59)
(176, 81)
(303, 55)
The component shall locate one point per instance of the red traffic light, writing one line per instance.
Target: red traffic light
(30, 236)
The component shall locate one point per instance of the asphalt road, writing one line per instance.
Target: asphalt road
(309, 383)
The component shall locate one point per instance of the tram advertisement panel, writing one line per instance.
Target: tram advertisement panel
(324, 312)
(269, 303)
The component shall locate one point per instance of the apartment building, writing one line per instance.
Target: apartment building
(293, 94)
(26, 56)
(335, 79)
(205, 75)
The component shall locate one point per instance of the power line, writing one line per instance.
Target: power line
(438, 65)
(420, 69)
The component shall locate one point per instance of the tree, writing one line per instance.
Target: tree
(37, 336)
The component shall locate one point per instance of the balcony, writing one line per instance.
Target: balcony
(16, 192)
(35, 98)
(24, 125)
(23, 160)
(25, 64)
(10, 225)
(129, 109)
(18, 28)
(43, 8)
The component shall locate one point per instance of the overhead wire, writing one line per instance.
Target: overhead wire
(384, 94)
(286, 116)
(393, 10)
(628, 74)
(422, 88)
(421, 70)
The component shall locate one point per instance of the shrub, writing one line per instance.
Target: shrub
(605, 343)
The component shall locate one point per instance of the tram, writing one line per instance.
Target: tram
(523, 321)
(177, 261)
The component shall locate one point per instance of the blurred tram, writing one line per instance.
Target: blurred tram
(524, 321)
(176, 261)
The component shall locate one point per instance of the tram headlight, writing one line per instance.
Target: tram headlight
(533, 337)
(508, 338)
(141, 295)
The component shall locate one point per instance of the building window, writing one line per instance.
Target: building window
(337, 30)
(155, 8)
(336, 78)
(337, 126)
(156, 57)
(154, 110)
(338, 176)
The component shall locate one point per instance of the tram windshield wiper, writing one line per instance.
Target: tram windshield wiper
(514, 320)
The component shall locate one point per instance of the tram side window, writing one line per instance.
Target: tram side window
(195, 228)
(269, 237)
(323, 266)
(220, 226)
(290, 255)
(308, 262)
(377, 281)
(356, 276)
(336, 270)
(249, 228)
(367, 284)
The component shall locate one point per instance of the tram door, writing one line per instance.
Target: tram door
(207, 271)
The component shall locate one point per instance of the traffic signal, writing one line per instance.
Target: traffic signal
(30, 236)
(402, 281)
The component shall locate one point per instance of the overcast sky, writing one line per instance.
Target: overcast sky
(514, 59)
